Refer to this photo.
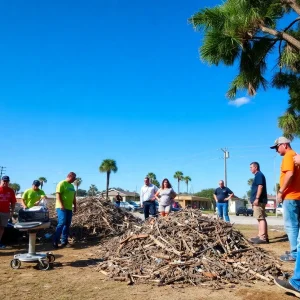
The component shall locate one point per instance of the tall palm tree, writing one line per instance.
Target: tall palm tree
(179, 176)
(77, 183)
(42, 181)
(186, 179)
(108, 166)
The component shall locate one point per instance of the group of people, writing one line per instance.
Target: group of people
(65, 205)
(150, 193)
(288, 194)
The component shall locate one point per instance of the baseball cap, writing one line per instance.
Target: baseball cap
(36, 183)
(280, 140)
(5, 178)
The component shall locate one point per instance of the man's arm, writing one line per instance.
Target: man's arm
(230, 194)
(75, 204)
(215, 196)
(258, 194)
(286, 182)
(58, 198)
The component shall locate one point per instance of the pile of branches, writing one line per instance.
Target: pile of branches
(97, 217)
(187, 247)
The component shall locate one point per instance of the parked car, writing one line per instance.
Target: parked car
(244, 211)
(127, 206)
(134, 204)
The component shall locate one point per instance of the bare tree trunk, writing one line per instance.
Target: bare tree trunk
(290, 39)
(107, 184)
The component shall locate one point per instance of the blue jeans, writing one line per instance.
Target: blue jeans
(64, 218)
(149, 209)
(291, 220)
(223, 210)
(291, 217)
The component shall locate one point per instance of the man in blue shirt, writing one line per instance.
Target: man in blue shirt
(222, 195)
(259, 199)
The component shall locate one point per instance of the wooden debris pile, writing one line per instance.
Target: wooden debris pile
(96, 217)
(188, 247)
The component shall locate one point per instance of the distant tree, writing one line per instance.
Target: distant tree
(151, 176)
(92, 190)
(179, 176)
(42, 181)
(250, 181)
(77, 183)
(156, 182)
(15, 186)
(186, 179)
(276, 188)
(81, 193)
(108, 166)
(208, 193)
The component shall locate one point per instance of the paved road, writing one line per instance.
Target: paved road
(278, 221)
(272, 221)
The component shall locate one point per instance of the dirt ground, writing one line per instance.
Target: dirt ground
(73, 277)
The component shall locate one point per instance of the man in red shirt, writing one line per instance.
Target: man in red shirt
(7, 205)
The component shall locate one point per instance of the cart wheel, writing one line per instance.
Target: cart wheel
(44, 265)
(51, 258)
(15, 263)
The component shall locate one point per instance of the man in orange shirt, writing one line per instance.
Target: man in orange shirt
(289, 194)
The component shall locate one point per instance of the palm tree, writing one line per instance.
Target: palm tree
(42, 181)
(15, 186)
(92, 190)
(179, 176)
(77, 183)
(151, 176)
(186, 179)
(108, 166)
(246, 33)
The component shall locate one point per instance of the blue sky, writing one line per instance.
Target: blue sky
(82, 81)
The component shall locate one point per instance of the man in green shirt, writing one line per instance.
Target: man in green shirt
(33, 196)
(65, 204)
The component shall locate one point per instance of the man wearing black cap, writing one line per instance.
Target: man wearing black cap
(33, 196)
(7, 204)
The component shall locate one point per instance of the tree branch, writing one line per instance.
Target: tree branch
(293, 4)
(282, 35)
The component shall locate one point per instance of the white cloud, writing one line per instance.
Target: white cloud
(239, 101)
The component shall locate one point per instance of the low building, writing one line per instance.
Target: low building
(187, 200)
(235, 203)
(127, 196)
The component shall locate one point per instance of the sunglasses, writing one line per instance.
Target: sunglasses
(276, 148)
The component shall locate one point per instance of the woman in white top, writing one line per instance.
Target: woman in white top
(165, 196)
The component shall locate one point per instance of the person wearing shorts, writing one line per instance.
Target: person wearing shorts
(7, 203)
(258, 199)
(165, 196)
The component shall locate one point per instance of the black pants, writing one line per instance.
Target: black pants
(149, 209)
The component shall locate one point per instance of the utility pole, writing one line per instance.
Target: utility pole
(2, 171)
(226, 156)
